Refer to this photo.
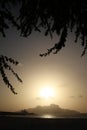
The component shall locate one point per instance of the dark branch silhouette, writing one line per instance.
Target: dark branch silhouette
(6, 20)
(54, 16)
(4, 65)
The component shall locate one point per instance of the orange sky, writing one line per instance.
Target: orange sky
(65, 72)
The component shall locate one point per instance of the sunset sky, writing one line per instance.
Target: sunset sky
(65, 73)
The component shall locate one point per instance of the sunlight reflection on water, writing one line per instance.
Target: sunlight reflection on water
(48, 116)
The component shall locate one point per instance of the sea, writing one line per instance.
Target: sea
(44, 122)
(46, 116)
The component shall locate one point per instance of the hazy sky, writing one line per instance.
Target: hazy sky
(65, 73)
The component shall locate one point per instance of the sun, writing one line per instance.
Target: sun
(47, 93)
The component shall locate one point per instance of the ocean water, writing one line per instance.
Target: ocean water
(46, 116)
(44, 122)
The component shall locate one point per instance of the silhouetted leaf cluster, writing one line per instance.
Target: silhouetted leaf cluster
(6, 16)
(4, 65)
(54, 16)
(58, 16)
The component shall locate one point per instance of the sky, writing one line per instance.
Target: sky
(65, 73)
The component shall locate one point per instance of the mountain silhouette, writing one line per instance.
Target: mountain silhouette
(54, 110)
(51, 110)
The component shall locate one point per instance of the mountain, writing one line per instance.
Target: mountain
(54, 110)
(19, 113)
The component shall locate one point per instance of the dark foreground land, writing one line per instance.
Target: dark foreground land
(25, 123)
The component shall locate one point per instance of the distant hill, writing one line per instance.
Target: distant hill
(22, 112)
(55, 110)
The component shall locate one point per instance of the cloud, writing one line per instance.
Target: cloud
(38, 98)
(72, 96)
(41, 98)
(80, 96)
(62, 85)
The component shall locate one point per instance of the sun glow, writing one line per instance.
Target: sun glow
(47, 93)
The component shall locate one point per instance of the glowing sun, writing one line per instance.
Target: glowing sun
(47, 93)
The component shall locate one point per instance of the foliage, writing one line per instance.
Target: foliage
(54, 16)
(4, 65)
(6, 17)
(58, 16)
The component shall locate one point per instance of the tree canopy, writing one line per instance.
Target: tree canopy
(54, 16)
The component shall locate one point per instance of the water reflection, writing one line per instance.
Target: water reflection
(48, 116)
